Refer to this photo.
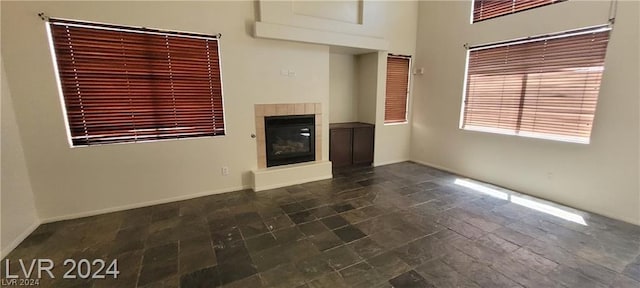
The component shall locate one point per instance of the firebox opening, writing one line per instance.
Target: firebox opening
(289, 139)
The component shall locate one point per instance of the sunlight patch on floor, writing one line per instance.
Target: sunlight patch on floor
(529, 203)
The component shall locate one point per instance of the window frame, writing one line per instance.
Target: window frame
(132, 29)
(409, 79)
(528, 134)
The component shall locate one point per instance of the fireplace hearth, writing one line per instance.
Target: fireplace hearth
(289, 139)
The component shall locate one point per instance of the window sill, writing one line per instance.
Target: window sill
(567, 139)
(396, 123)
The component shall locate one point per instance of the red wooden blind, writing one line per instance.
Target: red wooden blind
(546, 88)
(124, 84)
(486, 9)
(395, 104)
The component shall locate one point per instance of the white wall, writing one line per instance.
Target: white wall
(18, 214)
(343, 88)
(601, 177)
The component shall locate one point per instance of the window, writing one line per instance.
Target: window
(395, 103)
(545, 87)
(486, 9)
(123, 84)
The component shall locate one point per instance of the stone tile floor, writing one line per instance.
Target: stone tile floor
(401, 225)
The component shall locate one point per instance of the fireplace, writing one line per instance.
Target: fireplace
(289, 139)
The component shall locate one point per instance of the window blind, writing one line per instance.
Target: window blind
(547, 88)
(123, 84)
(486, 9)
(395, 104)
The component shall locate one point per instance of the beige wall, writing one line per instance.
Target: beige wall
(393, 141)
(71, 182)
(343, 88)
(347, 11)
(367, 66)
(18, 214)
(601, 177)
(395, 144)
(393, 21)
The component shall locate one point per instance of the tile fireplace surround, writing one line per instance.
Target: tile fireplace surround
(266, 110)
(264, 178)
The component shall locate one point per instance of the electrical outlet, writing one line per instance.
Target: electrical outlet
(225, 171)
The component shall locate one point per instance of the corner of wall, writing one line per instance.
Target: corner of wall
(19, 216)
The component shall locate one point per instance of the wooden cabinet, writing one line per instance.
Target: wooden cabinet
(341, 147)
(351, 144)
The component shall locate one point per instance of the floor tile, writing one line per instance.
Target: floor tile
(302, 217)
(313, 267)
(231, 252)
(342, 207)
(388, 265)
(366, 248)
(285, 275)
(248, 217)
(341, 257)
(292, 208)
(496, 243)
(288, 235)
(633, 269)
(313, 228)
(439, 274)
(325, 240)
(349, 233)
(269, 258)
(322, 212)
(333, 280)
(196, 261)
(409, 279)
(226, 237)
(236, 270)
(625, 282)
(334, 222)
(261, 242)
(278, 222)
(572, 278)
(253, 281)
(157, 272)
(160, 254)
(253, 229)
(355, 274)
(207, 277)
(362, 228)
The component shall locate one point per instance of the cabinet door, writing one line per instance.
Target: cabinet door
(340, 147)
(363, 145)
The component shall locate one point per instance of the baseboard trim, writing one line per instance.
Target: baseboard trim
(440, 168)
(376, 164)
(142, 204)
(19, 239)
